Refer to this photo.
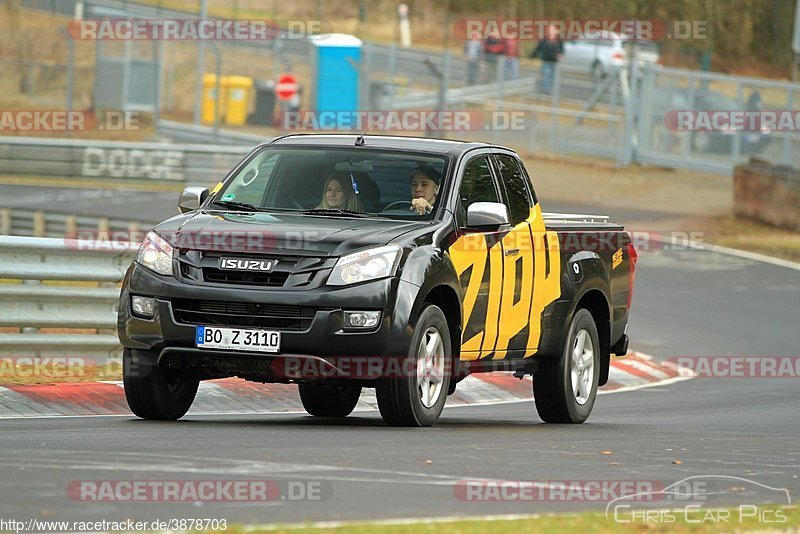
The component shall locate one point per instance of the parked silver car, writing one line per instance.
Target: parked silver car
(599, 53)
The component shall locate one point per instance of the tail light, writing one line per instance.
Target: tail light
(619, 55)
(633, 257)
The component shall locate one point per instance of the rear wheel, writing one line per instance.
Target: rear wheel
(329, 401)
(565, 388)
(156, 392)
(418, 400)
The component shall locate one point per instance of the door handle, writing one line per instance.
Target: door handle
(511, 252)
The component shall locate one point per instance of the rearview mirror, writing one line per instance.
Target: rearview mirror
(487, 215)
(358, 166)
(191, 198)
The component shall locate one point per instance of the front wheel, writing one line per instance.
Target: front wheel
(565, 388)
(156, 392)
(418, 400)
(329, 401)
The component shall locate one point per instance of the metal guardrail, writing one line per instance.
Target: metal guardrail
(118, 161)
(38, 223)
(34, 304)
(189, 133)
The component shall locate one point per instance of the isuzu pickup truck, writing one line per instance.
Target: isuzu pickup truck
(339, 262)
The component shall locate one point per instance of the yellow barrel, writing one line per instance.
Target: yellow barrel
(240, 91)
(209, 97)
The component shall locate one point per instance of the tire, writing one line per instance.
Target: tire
(419, 400)
(157, 393)
(329, 401)
(561, 397)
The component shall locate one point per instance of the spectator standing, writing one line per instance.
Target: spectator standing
(493, 47)
(550, 50)
(511, 52)
(473, 50)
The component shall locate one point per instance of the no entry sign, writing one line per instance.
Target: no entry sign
(286, 88)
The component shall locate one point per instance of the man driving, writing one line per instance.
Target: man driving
(424, 188)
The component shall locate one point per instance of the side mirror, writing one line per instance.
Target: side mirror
(487, 215)
(191, 198)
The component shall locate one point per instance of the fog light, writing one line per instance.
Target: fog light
(143, 306)
(361, 319)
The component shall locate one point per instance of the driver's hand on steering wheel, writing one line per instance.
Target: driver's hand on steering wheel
(421, 206)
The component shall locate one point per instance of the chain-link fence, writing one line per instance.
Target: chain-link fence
(677, 115)
(565, 111)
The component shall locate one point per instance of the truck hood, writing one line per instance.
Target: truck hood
(282, 233)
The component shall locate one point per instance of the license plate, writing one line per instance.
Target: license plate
(212, 337)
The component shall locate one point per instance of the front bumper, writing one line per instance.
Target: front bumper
(164, 337)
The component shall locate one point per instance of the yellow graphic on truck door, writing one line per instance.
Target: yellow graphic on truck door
(478, 262)
(517, 293)
(507, 280)
(546, 278)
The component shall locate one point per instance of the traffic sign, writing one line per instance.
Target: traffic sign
(286, 87)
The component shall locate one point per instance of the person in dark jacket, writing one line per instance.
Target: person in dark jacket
(549, 50)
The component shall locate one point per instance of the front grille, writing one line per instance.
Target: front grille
(273, 279)
(290, 271)
(245, 314)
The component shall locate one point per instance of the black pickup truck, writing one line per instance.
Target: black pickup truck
(340, 262)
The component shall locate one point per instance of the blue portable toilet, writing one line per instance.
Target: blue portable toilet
(337, 59)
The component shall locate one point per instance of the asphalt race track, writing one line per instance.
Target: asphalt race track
(686, 303)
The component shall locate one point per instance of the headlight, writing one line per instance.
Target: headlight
(156, 254)
(366, 265)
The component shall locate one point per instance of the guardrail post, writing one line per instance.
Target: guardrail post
(133, 231)
(5, 221)
(39, 227)
(71, 225)
(103, 226)
(30, 329)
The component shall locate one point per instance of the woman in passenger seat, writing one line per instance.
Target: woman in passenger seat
(338, 193)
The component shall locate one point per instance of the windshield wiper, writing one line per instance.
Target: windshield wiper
(236, 205)
(336, 212)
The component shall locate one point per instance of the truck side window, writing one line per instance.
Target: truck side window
(518, 196)
(478, 184)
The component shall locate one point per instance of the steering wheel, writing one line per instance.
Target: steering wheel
(397, 202)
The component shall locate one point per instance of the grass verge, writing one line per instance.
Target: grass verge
(696, 522)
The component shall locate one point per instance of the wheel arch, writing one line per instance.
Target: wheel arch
(595, 302)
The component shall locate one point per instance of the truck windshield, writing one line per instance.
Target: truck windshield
(337, 182)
